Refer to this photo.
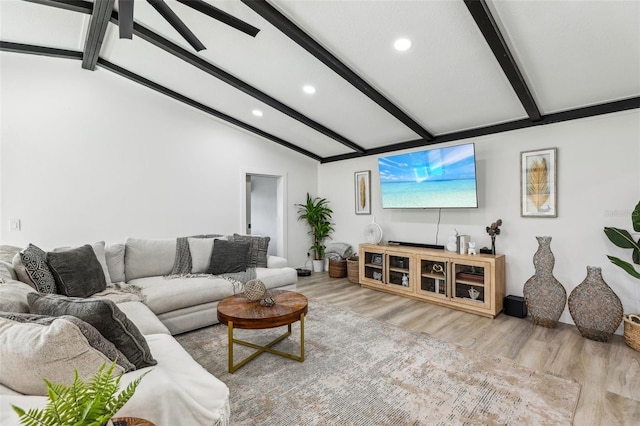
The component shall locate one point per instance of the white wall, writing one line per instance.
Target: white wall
(89, 156)
(598, 185)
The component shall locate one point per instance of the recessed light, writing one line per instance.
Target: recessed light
(309, 90)
(257, 113)
(402, 44)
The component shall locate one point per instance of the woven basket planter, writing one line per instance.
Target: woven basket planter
(353, 269)
(632, 331)
(337, 268)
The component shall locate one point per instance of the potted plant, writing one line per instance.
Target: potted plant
(624, 239)
(317, 214)
(82, 404)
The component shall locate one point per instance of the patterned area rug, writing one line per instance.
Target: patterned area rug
(360, 371)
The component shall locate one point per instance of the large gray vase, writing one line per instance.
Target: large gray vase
(544, 295)
(595, 308)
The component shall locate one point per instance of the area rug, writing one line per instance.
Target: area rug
(360, 371)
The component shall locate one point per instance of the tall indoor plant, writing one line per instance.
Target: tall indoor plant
(317, 214)
(623, 239)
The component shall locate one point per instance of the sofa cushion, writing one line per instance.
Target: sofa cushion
(93, 336)
(7, 273)
(200, 249)
(33, 262)
(148, 258)
(101, 255)
(13, 296)
(228, 257)
(274, 278)
(105, 316)
(166, 295)
(146, 321)
(258, 247)
(31, 352)
(114, 255)
(77, 271)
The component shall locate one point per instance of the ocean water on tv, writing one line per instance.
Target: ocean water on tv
(426, 194)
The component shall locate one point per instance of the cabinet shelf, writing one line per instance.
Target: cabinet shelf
(401, 270)
(373, 265)
(434, 276)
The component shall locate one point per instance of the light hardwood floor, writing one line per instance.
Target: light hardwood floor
(608, 372)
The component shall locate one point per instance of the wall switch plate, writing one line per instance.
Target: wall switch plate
(14, 224)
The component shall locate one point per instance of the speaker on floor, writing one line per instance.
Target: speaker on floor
(514, 306)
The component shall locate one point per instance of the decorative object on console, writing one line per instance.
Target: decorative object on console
(623, 239)
(494, 230)
(463, 243)
(373, 232)
(452, 245)
(363, 192)
(473, 293)
(538, 183)
(594, 307)
(317, 214)
(543, 293)
(472, 248)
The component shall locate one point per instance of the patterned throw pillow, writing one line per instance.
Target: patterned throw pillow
(228, 257)
(258, 247)
(34, 260)
(105, 316)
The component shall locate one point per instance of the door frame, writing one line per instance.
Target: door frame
(281, 202)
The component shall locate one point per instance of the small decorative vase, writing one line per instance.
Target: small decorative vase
(544, 295)
(594, 307)
(493, 245)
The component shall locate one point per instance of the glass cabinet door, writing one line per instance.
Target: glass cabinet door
(373, 266)
(470, 283)
(399, 270)
(433, 277)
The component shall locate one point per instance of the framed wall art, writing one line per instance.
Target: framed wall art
(538, 183)
(363, 192)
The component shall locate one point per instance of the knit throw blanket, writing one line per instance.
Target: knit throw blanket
(121, 292)
(183, 264)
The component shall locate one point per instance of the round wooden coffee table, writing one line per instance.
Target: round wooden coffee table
(239, 312)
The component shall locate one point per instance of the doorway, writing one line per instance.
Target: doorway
(264, 209)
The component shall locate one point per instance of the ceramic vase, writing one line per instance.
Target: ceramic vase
(595, 308)
(544, 295)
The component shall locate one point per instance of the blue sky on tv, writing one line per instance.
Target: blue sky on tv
(454, 162)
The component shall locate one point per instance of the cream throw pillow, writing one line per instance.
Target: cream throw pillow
(31, 352)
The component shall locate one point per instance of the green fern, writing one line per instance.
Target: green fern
(81, 404)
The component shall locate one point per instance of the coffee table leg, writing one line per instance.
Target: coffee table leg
(230, 337)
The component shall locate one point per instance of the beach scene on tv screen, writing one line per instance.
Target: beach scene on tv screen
(435, 178)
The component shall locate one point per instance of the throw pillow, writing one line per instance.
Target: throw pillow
(99, 250)
(115, 262)
(34, 260)
(31, 352)
(200, 249)
(148, 258)
(94, 338)
(105, 316)
(77, 271)
(228, 257)
(21, 272)
(258, 247)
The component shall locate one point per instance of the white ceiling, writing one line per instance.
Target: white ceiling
(571, 54)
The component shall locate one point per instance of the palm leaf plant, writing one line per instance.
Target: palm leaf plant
(624, 239)
(81, 404)
(317, 214)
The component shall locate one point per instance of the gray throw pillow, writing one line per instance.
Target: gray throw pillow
(77, 271)
(105, 316)
(93, 336)
(258, 247)
(34, 260)
(228, 257)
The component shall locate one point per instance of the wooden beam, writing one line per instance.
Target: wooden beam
(95, 35)
(221, 15)
(30, 49)
(489, 29)
(558, 117)
(188, 101)
(169, 15)
(81, 6)
(304, 40)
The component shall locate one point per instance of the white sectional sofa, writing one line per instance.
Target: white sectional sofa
(178, 391)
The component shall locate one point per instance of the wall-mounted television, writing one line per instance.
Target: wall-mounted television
(434, 178)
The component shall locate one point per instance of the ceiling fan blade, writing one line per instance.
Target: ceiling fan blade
(221, 16)
(176, 23)
(125, 18)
